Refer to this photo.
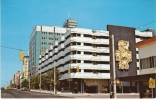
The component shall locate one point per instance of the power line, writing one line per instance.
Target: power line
(10, 48)
(146, 24)
(16, 48)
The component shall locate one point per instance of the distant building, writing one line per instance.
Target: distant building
(17, 78)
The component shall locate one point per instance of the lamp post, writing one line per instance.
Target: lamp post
(40, 79)
(114, 71)
(51, 84)
(29, 80)
(54, 80)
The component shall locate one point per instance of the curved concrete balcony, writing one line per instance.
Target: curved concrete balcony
(145, 34)
(101, 41)
(86, 75)
(90, 49)
(90, 57)
(67, 42)
(61, 46)
(85, 66)
(101, 33)
(90, 40)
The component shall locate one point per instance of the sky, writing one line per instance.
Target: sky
(18, 17)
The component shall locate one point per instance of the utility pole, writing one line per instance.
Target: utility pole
(114, 71)
(29, 80)
(54, 81)
(40, 79)
(54, 68)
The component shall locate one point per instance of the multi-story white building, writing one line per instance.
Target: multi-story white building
(83, 59)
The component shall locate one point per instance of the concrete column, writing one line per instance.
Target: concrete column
(81, 85)
(82, 35)
(130, 86)
(82, 44)
(141, 92)
(82, 70)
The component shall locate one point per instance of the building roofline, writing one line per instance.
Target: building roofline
(145, 42)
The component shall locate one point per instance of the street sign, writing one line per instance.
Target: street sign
(151, 83)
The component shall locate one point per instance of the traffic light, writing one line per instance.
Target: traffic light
(78, 69)
(21, 55)
(68, 70)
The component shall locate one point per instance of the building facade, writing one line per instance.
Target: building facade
(17, 79)
(42, 37)
(83, 59)
(147, 59)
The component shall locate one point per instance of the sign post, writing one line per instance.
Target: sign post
(151, 84)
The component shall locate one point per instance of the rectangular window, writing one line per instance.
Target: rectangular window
(154, 61)
(94, 54)
(146, 63)
(87, 61)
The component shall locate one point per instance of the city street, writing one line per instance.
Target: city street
(15, 93)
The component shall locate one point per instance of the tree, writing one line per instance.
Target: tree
(35, 82)
(47, 80)
(25, 83)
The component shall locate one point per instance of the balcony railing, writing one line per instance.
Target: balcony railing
(86, 75)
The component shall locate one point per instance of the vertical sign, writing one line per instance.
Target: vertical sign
(21, 55)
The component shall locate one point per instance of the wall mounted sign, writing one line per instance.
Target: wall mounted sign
(123, 55)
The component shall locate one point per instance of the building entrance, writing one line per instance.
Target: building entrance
(91, 89)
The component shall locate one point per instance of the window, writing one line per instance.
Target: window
(94, 63)
(87, 61)
(75, 43)
(87, 35)
(94, 45)
(75, 61)
(87, 44)
(94, 54)
(78, 35)
(87, 53)
(93, 37)
(149, 62)
(75, 52)
(154, 61)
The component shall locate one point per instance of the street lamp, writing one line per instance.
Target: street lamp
(29, 80)
(51, 84)
(113, 94)
(40, 78)
(54, 80)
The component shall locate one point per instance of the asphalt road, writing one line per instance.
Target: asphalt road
(15, 93)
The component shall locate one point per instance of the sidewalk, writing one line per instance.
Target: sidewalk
(86, 94)
(42, 91)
